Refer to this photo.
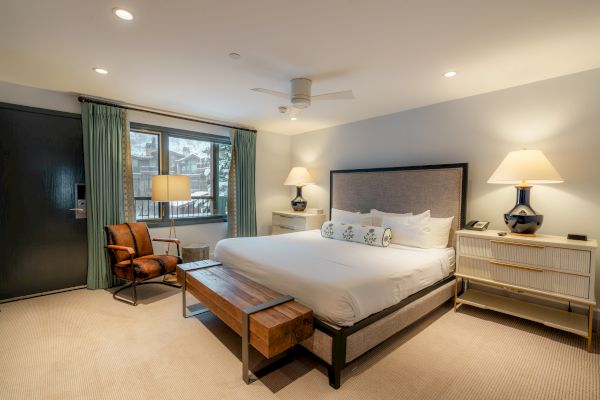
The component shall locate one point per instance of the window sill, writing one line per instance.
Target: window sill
(213, 219)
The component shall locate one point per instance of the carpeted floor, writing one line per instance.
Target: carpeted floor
(85, 345)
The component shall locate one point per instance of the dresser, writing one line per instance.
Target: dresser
(291, 221)
(552, 267)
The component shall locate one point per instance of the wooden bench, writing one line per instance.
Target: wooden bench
(266, 320)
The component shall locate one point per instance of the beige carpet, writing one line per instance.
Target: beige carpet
(85, 345)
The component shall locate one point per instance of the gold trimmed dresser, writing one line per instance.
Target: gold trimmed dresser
(545, 266)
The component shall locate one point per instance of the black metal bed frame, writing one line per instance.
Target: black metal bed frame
(339, 336)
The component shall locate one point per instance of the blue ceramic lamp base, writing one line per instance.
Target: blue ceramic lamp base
(522, 219)
(299, 204)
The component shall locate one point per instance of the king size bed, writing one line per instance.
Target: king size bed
(361, 295)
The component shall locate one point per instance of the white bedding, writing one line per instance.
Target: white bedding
(342, 282)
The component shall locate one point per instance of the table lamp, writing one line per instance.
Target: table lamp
(298, 177)
(167, 188)
(522, 168)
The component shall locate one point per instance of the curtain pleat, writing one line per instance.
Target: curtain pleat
(128, 196)
(103, 128)
(232, 191)
(242, 184)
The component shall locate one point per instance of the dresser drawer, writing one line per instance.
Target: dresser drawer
(289, 221)
(278, 230)
(570, 260)
(526, 276)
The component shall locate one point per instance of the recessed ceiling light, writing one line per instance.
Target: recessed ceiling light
(123, 14)
(234, 56)
(450, 74)
(293, 118)
(100, 71)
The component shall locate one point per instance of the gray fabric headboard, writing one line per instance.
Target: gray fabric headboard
(439, 188)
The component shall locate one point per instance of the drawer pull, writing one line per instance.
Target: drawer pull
(535, 246)
(288, 216)
(504, 264)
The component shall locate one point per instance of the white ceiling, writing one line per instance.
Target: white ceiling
(392, 54)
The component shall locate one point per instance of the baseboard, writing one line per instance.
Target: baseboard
(563, 305)
(29, 296)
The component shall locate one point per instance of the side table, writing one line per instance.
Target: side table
(195, 252)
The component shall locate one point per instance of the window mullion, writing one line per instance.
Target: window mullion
(164, 170)
(215, 178)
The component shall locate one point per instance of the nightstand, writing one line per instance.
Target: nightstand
(548, 266)
(291, 221)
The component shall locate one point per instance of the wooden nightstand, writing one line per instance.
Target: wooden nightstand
(291, 221)
(548, 266)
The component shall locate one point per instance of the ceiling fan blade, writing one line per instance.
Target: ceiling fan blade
(345, 95)
(294, 112)
(272, 92)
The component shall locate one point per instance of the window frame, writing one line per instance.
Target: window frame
(164, 133)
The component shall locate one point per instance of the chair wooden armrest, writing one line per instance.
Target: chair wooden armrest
(129, 250)
(176, 241)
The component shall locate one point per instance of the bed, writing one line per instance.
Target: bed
(342, 282)
(361, 295)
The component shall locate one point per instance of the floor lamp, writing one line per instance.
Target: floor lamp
(167, 188)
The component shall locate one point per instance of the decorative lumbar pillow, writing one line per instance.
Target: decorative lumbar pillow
(371, 235)
(377, 216)
(439, 232)
(348, 217)
(410, 230)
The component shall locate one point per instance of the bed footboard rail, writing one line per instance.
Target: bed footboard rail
(340, 356)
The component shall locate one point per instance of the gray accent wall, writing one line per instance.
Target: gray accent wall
(559, 116)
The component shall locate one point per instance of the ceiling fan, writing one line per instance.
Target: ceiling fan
(300, 96)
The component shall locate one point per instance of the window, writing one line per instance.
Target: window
(204, 158)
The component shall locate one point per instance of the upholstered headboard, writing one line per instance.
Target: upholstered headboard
(439, 188)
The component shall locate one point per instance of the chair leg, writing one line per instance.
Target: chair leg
(134, 293)
(126, 300)
(133, 285)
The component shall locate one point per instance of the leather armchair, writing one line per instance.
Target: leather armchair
(132, 257)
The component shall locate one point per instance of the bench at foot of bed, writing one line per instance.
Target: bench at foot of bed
(268, 321)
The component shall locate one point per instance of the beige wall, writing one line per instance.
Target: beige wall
(272, 153)
(560, 116)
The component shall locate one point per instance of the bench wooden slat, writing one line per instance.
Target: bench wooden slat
(226, 293)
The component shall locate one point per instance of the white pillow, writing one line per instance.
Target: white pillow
(440, 232)
(409, 230)
(378, 216)
(348, 217)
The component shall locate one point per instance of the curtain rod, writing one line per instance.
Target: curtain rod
(83, 99)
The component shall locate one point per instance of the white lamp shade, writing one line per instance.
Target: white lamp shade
(170, 188)
(298, 176)
(525, 166)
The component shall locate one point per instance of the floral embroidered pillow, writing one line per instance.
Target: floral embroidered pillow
(370, 235)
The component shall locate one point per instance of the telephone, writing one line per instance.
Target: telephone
(477, 225)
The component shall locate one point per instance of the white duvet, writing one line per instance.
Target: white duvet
(342, 282)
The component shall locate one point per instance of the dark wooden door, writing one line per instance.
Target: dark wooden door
(43, 247)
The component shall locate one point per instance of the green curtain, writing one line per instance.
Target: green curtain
(103, 129)
(242, 186)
